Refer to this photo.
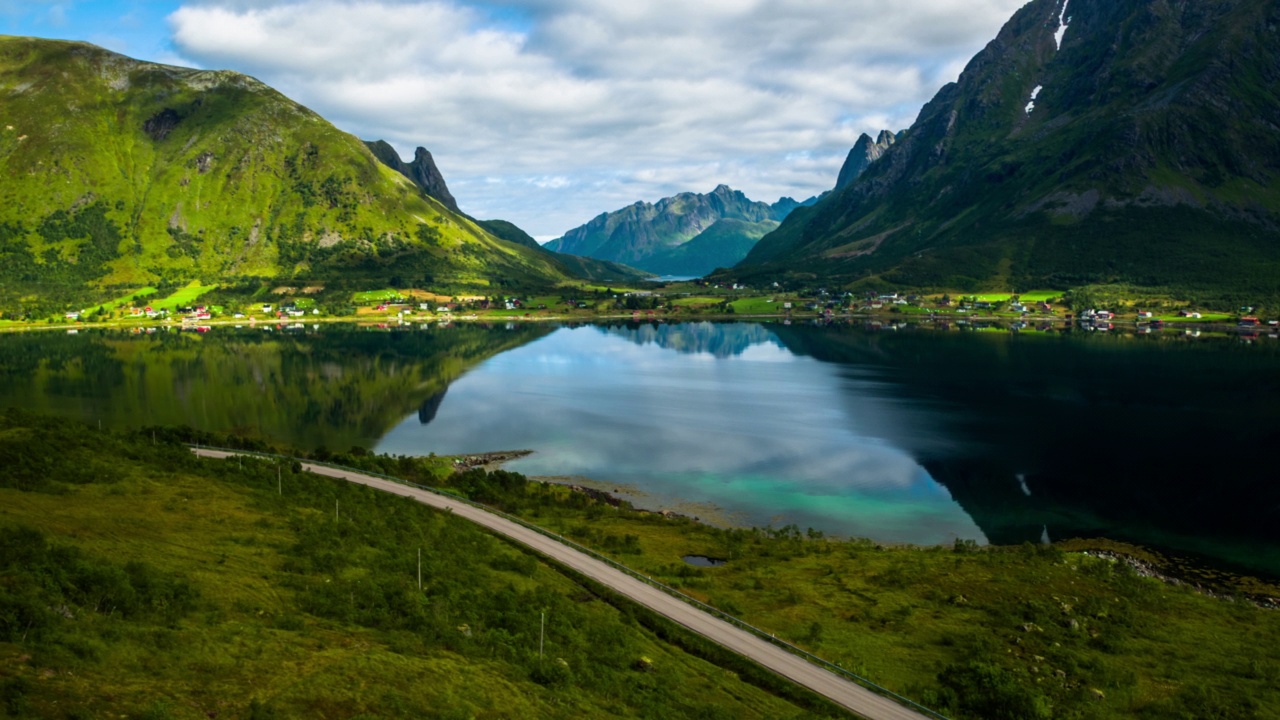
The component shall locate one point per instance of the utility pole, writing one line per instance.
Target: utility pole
(419, 569)
(279, 482)
(335, 509)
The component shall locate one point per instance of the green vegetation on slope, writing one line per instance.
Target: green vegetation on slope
(1063, 631)
(575, 265)
(722, 245)
(139, 581)
(117, 174)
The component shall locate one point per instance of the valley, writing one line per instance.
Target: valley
(983, 429)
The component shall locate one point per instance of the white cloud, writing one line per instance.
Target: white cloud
(581, 106)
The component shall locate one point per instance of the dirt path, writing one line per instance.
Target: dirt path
(831, 686)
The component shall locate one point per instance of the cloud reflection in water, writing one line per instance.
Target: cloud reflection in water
(719, 414)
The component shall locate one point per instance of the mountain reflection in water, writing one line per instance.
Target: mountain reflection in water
(899, 436)
(889, 434)
(699, 413)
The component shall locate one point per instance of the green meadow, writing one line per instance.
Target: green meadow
(183, 296)
(139, 581)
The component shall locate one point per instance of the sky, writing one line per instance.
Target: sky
(547, 113)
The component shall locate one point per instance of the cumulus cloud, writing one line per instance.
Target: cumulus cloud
(577, 106)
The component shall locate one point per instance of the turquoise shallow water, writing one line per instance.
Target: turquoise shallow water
(721, 415)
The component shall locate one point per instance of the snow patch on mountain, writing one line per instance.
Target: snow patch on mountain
(1063, 22)
(1034, 94)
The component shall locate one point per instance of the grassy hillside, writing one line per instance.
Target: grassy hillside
(116, 173)
(1066, 631)
(137, 581)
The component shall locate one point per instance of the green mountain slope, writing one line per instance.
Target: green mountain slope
(722, 245)
(580, 267)
(510, 232)
(115, 172)
(649, 235)
(1149, 154)
(137, 581)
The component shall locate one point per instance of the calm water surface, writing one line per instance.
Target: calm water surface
(722, 415)
(907, 436)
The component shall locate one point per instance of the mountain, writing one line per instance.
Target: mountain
(427, 177)
(422, 171)
(649, 236)
(116, 173)
(510, 232)
(575, 265)
(721, 245)
(864, 152)
(1128, 141)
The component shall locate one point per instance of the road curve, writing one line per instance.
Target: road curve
(823, 682)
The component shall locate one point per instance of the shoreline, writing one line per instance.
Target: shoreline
(1166, 566)
(613, 494)
(1051, 324)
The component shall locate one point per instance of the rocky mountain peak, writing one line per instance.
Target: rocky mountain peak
(422, 171)
(864, 152)
(1117, 141)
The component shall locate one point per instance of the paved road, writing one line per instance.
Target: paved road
(831, 686)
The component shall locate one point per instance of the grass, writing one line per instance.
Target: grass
(183, 297)
(1063, 624)
(756, 306)
(696, 301)
(121, 301)
(191, 588)
(1026, 632)
(1004, 297)
(367, 297)
(1040, 295)
(1204, 318)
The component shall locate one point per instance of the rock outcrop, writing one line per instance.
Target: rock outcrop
(422, 171)
(864, 152)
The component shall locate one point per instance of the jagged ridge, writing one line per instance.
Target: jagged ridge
(650, 235)
(1149, 156)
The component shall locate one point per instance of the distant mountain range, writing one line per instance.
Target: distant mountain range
(687, 234)
(1097, 141)
(427, 177)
